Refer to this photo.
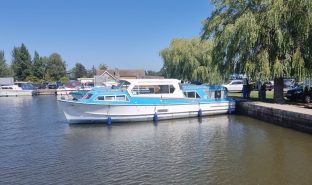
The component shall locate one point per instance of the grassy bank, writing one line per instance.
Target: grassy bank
(253, 94)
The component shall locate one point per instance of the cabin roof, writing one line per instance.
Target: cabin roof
(152, 81)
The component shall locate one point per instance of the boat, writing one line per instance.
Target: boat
(78, 94)
(18, 89)
(147, 100)
(71, 86)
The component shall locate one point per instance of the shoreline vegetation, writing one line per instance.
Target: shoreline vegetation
(38, 68)
(262, 39)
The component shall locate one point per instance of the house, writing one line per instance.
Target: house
(123, 73)
(111, 76)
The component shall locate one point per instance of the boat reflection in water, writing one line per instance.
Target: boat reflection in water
(147, 99)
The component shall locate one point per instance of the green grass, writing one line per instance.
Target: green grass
(253, 94)
(269, 98)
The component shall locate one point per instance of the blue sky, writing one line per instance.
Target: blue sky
(119, 33)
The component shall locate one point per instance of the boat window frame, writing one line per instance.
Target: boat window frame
(212, 94)
(197, 96)
(87, 96)
(153, 89)
(126, 99)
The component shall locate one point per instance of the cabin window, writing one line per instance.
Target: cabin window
(215, 94)
(110, 98)
(113, 98)
(218, 94)
(87, 96)
(237, 83)
(153, 89)
(121, 98)
(191, 94)
(100, 98)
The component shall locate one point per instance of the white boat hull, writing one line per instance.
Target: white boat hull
(101, 113)
(11, 92)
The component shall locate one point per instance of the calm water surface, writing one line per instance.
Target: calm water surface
(38, 146)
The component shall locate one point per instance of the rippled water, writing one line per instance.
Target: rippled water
(38, 146)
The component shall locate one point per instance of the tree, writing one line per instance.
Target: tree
(190, 59)
(153, 73)
(21, 62)
(32, 78)
(4, 69)
(91, 73)
(55, 68)
(262, 38)
(79, 71)
(64, 79)
(38, 66)
(103, 67)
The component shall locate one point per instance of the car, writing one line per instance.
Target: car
(234, 86)
(52, 86)
(300, 94)
(268, 85)
(288, 84)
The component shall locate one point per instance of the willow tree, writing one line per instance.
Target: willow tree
(262, 38)
(190, 59)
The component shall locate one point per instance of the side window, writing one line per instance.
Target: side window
(210, 94)
(100, 98)
(142, 90)
(191, 94)
(121, 98)
(153, 89)
(171, 89)
(163, 89)
(113, 98)
(87, 96)
(237, 83)
(110, 98)
(218, 94)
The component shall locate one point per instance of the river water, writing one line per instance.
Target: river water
(38, 146)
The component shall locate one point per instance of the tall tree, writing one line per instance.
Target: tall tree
(55, 67)
(79, 71)
(190, 59)
(21, 62)
(262, 38)
(38, 66)
(4, 69)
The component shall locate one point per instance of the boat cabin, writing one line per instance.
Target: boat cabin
(156, 88)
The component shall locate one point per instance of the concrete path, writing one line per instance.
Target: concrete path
(286, 107)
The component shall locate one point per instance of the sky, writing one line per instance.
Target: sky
(124, 34)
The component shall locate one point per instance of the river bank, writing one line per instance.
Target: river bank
(290, 116)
